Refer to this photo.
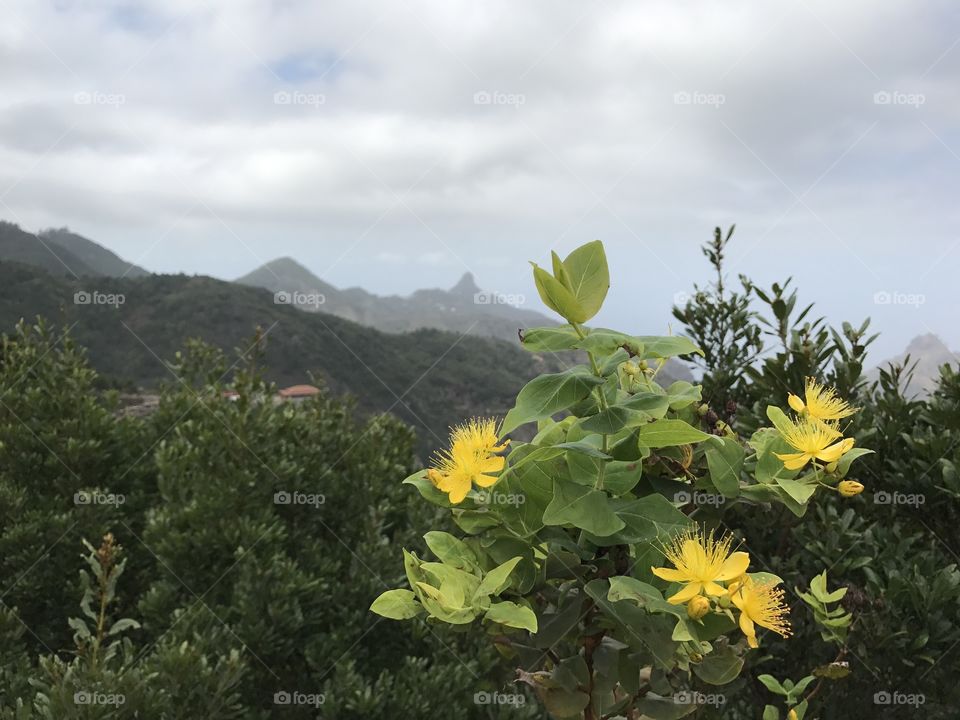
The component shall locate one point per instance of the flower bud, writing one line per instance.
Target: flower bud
(849, 488)
(703, 409)
(832, 467)
(698, 607)
(792, 715)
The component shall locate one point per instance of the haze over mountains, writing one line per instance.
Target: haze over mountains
(924, 355)
(464, 309)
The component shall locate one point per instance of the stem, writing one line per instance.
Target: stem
(602, 400)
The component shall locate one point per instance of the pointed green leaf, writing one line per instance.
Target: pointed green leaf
(397, 605)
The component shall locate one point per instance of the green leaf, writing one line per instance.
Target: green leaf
(771, 712)
(719, 667)
(843, 465)
(397, 605)
(652, 404)
(669, 433)
(512, 615)
(548, 394)
(800, 492)
(666, 346)
(725, 462)
(581, 507)
(558, 298)
(601, 341)
(648, 518)
(562, 703)
(496, 581)
(610, 421)
(430, 492)
(128, 624)
(779, 419)
(550, 339)
(451, 550)
(588, 277)
(767, 442)
(664, 708)
(772, 684)
(682, 394)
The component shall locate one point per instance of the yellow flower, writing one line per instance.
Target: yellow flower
(761, 604)
(812, 439)
(792, 715)
(822, 403)
(701, 562)
(470, 459)
(849, 488)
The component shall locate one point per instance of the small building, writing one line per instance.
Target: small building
(297, 393)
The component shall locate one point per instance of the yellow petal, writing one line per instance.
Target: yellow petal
(794, 461)
(795, 402)
(492, 464)
(456, 487)
(714, 589)
(691, 590)
(734, 566)
(485, 480)
(748, 628)
(835, 451)
(669, 574)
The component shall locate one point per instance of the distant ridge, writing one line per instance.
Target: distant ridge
(63, 253)
(100, 259)
(464, 308)
(929, 353)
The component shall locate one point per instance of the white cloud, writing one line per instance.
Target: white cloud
(382, 143)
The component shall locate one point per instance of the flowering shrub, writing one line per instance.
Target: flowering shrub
(580, 557)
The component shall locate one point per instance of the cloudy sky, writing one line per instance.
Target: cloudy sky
(398, 144)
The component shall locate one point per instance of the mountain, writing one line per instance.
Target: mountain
(17, 245)
(929, 353)
(430, 378)
(97, 257)
(462, 309)
(61, 252)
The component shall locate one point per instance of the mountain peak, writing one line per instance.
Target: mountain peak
(466, 286)
(926, 344)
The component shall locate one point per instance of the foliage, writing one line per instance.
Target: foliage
(564, 535)
(228, 597)
(129, 344)
(890, 548)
